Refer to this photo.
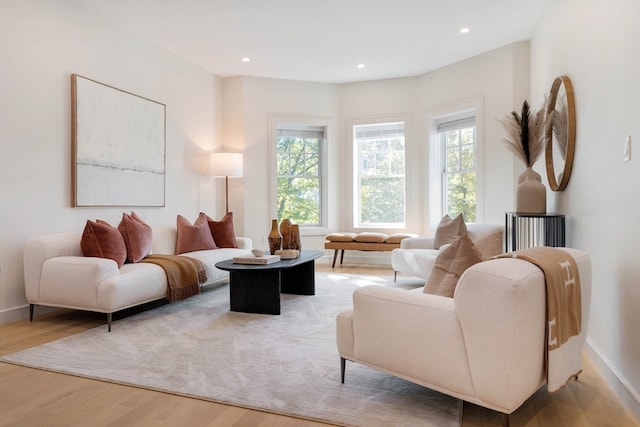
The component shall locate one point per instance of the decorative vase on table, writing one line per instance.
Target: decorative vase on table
(295, 237)
(526, 138)
(285, 231)
(531, 194)
(274, 238)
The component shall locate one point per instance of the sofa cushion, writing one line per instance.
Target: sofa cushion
(449, 230)
(450, 263)
(194, 237)
(371, 237)
(340, 237)
(137, 236)
(100, 239)
(222, 231)
(398, 237)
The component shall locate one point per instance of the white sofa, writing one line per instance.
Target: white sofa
(416, 256)
(485, 345)
(57, 274)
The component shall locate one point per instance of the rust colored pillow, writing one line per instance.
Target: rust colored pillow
(100, 239)
(222, 231)
(137, 236)
(450, 263)
(449, 230)
(194, 237)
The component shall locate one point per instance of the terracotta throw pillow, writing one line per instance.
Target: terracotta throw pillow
(449, 230)
(222, 231)
(194, 237)
(100, 239)
(450, 263)
(137, 236)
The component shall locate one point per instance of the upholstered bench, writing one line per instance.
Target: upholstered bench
(366, 241)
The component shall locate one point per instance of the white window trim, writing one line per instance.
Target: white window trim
(327, 181)
(350, 175)
(433, 203)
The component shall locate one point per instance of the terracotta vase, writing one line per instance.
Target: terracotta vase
(274, 238)
(295, 237)
(531, 194)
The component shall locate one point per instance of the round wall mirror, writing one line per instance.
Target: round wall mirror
(560, 133)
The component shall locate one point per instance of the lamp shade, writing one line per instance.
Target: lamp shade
(225, 164)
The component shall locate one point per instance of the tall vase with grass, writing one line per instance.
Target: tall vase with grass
(526, 139)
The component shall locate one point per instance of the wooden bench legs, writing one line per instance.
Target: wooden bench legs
(335, 255)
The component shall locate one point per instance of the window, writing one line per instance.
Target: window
(379, 175)
(300, 171)
(458, 164)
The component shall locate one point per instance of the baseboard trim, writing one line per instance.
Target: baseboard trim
(618, 383)
(14, 314)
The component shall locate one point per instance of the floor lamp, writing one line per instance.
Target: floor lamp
(225, 165)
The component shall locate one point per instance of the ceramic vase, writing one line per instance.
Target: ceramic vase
(295, 237)
(274, 238)
(285, 231)
(531, 194)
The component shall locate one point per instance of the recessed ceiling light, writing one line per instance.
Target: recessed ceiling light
(360, 65)
(464, 30)
(246, 59)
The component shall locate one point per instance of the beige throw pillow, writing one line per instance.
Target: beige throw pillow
(449, 230)
(490, 245)
(450, 263)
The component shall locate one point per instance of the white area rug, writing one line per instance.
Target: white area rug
(285, 364)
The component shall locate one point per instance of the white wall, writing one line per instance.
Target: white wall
(41, 44)
(596, 43)
(500, 79)
(249, 103)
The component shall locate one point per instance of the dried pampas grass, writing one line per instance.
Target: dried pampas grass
(526, 133)
(560, 117)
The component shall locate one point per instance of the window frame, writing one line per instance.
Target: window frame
(353, 204)
(282, 121)
(435, 200)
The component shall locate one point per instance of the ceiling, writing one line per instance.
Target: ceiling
(323, 40)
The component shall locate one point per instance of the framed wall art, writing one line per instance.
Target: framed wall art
(118, 146)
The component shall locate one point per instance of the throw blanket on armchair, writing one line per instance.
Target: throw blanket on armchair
(563, 357)
(184, 274)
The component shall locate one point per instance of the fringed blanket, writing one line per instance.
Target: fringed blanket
(184, 274)
(563, 358)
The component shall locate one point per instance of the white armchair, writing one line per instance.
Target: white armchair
(486, 345)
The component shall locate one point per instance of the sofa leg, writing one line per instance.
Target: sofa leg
(506, 420)
(109, 318)
(395, 275)
(343, 365)
(31, 306)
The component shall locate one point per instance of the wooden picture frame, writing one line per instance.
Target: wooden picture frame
(118, 146)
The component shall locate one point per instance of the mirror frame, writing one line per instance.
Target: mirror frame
(571, 134)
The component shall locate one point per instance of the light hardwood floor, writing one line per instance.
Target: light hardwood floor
(31, 397)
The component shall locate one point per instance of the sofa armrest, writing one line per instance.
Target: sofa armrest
(417, 243)
(72, 281)
(501, 305)
(397, 331)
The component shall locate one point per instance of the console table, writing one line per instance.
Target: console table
(527, 230)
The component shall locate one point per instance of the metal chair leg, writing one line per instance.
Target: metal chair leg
(343, 363)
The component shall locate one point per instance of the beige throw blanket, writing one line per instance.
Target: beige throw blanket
(184, 275)
(563, 358)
